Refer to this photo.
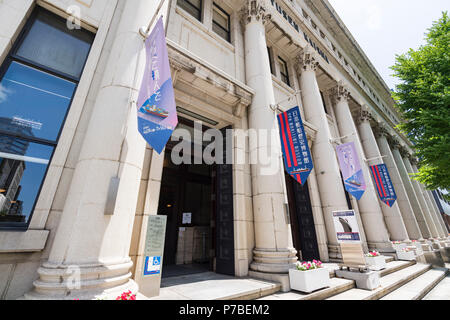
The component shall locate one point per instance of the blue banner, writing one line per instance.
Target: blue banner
(383, 183)
(157, 114)
(297, 156)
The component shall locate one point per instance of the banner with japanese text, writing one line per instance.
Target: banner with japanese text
(157, 114)
(297, 155)
(383, 184)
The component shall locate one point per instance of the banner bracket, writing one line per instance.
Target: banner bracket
(380, 157)
(143, 31)
(276, 107)
(340, 138)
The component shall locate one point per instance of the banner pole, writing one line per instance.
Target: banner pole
(144, 32)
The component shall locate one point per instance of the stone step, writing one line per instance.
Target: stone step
(441, 291)
(419, 287)
(212, 286)
(395, 266)
(389, 283)
(336, 286)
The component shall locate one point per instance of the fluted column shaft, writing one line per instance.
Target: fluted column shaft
(426, 211)
(274, 251)
(329, 180)
(420, 218)
(402, 197)
(392, 216)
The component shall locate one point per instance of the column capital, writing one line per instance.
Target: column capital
(254, 10)
(365, 115)
(404, 152)
(306, 60)
(380, 130)
(414, 160)
(394, 142)
(340, 92)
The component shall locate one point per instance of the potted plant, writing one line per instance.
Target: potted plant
(375, 261)
(406, 254)
(309, 276)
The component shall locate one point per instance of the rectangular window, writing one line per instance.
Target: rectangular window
(194, 7)
(221, 22)
(272, 71)
(284, 71)
(37, 82)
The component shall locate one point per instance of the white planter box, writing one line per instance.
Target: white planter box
(399, 247)
(376, 263)
(309, 281)
(408, 256)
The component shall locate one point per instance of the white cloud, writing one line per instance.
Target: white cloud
(3, 93)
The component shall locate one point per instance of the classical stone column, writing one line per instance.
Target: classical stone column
(426, 211)
(420, 218)
(438, 221)
(274, 252)
(392, 215)
(371, 214)
(402, 197)
(328, 175)
(90, 252)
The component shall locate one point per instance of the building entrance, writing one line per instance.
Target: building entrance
(196, 201)
(302, 221)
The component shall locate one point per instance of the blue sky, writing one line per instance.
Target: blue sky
(384, 28)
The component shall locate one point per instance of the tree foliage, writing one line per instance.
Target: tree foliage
(423, 98)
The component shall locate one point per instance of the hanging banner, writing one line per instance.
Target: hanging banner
(346, 226)
(351, 170)
(157, 115)
(384, 184)
(297, 156)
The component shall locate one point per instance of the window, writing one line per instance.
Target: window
(271, 60)
(284, 71)
(193, 7)
(37, 83)
(324, 104)
(221, 22)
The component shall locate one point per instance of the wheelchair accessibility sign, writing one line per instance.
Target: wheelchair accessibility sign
(152, 266)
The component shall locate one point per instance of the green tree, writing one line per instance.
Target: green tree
(423, 98)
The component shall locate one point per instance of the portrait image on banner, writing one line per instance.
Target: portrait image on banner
(346, 226)
(384, 184)
(157, 114)
(294, 144)
(351, 170)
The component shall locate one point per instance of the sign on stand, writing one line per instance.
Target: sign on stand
(349, 238)
(153, 256)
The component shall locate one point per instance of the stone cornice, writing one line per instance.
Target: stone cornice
(254, 10)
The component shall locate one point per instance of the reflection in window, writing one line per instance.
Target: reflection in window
(22, 167)
(37, 85)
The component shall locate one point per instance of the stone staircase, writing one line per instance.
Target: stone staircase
(401, 280)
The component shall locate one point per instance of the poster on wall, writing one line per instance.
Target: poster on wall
(296, 153)
(383, 183)
(351, 170)
(157, 114)
(346, 226)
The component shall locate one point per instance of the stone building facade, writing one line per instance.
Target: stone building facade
(233, 62)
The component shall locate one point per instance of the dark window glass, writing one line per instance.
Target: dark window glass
(37, 82)
(221, 22)
(284, 71)
(194, 7)
(51, 44)
(324, 104)
(271, 61)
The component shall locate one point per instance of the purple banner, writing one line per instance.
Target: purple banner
(384, 185)
(351, 170)
(157, 114)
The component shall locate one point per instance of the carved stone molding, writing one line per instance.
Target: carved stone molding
(306, 60)
(394, 142)
(340, 92)
(254, 10)
(404, 152)
(380, 130)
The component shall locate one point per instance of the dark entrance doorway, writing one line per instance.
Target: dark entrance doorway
(302, 221)
(196, 200)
